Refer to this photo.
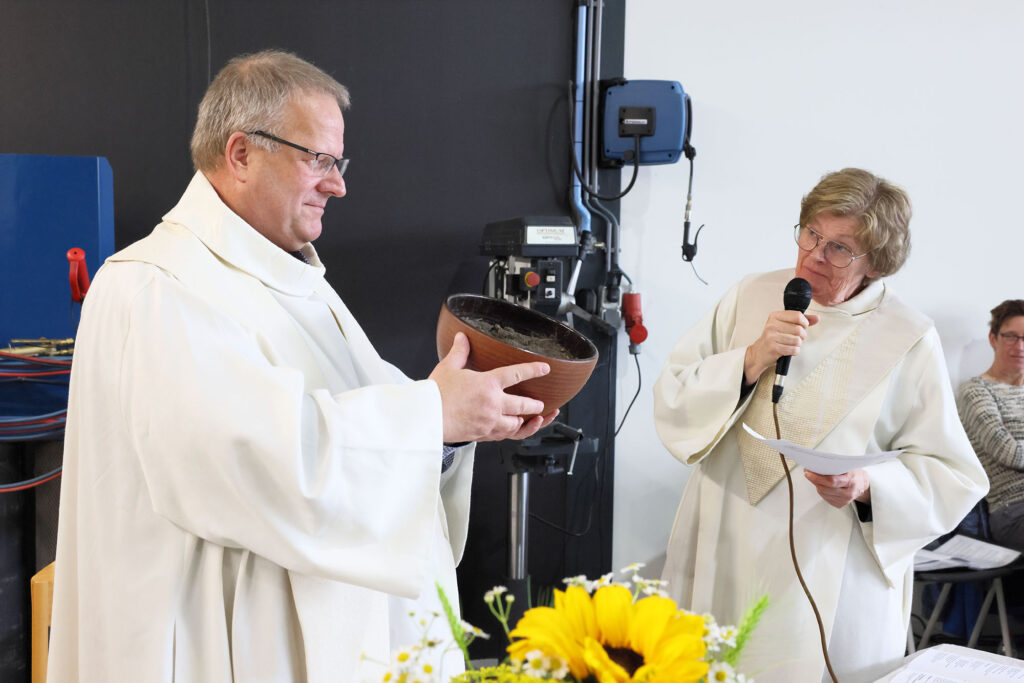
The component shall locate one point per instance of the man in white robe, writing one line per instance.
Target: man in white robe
(869, 376)
(250, 492)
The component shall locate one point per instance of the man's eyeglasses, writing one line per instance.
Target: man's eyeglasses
(1010, 338)
(838, 255)
(321, 163)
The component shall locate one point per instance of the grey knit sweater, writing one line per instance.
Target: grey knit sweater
(993, 417)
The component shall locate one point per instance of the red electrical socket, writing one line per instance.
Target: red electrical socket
(633, 318)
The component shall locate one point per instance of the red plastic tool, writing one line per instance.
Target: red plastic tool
(78, 274)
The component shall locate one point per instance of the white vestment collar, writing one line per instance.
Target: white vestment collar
(202, 212)
(865, 301)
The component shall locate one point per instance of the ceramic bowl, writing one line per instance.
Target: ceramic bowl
(503, 333)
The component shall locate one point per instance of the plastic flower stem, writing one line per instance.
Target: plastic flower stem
(453, 624)
(746, 628)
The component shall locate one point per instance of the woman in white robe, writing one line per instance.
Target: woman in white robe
(867, 375)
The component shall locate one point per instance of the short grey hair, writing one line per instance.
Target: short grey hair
(250, 93)
(881, 210)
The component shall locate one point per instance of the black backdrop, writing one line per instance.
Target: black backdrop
(458, 119)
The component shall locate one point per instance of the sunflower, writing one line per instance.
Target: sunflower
(614, 639)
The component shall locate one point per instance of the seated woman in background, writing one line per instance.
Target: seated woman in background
(991, 407)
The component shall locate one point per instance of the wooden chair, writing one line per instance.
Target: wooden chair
(41, 588)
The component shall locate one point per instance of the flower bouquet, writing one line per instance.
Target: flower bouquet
(596, 631)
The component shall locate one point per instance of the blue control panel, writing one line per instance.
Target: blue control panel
(657, 112)
(48, 205)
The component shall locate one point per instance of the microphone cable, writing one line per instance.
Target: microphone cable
(792, 552)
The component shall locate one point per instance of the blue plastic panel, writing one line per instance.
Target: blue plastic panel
(49, 204)
(670, 113)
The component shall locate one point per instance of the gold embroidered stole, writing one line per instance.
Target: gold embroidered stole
(807, 412)
(811, 409)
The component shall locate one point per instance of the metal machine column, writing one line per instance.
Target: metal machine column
(518, 510)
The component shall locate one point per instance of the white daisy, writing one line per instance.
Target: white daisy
(654, 590)
(427, 672)
(475, 631)
(728, 635)
(720, 672)
(559, 668)
(579, 580)
(537, 663)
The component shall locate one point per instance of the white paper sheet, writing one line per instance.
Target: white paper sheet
(819, 461)
(964, 551)
(950, 664)
(929, 561)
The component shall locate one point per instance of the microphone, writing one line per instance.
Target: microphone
(796, 297)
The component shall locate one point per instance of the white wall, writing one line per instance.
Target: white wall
(927, 94)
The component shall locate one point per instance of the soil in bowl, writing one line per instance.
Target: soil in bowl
(543, 346)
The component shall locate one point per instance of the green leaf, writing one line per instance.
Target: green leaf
(454, 624)
(746, 628)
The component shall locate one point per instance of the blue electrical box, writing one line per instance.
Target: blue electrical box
(48, 205)
(655, 113)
